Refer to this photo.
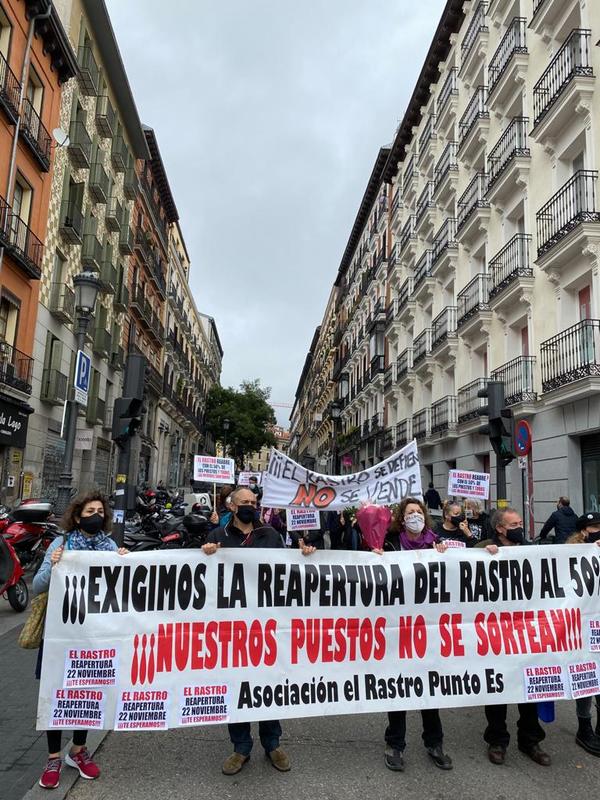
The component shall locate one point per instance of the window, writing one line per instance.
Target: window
(35, 91)
(5, 31)
(9, 319)
(21, 202)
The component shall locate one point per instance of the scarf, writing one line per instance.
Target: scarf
(79, 541)
(426, 540)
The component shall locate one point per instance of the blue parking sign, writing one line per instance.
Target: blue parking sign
(83, 371)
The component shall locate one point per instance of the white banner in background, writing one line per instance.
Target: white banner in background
(287, 484)
(171, 639)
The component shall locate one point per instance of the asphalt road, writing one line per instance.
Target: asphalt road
(341, 757)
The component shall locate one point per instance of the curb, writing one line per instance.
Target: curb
(68, 777)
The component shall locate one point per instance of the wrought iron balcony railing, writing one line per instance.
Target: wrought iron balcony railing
(424, 202)
(16, 368)
(429, 133)
(54, 386)
(422, 270)
(402, 433)
(404, 363)
(449, 88)
(518, 378)
(473, 298)
(10, 90)
(62, 302)
(443, 327)
(36, 135)
(408, 232)
(421, 424)
(421, 346)
(446, 163)
(80, 145)
(445, 238)
(20, 242)
(476, 110)
(512, 144)
(443, 414)
(573, 204)
(571, 355)
(514, 41)
(469, 404)
(89, 73)
(476, 26)
(511, 263)
(474, 197)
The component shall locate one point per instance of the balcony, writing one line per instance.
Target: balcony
(20, 242)
(421, 424)
(444, 251)
(396, 208)
(102, 343)
(131, 185)
(114, 211)
(511, 273)
(443, 416)
(62, 302)
(80, 145)
(409, 180)
(89, 74)
(402, 433)
(474, 44)
(389, 440)
(54, 387)
(443, 336)
(569, 79)
(547, 15)
(473, 210)
(108, 276)
(568, 223)
(16, 368)
(408, 236)
(422, 349)
(36, 135)
(117, 357)
(423, 281)
(404, 368)
(121, 299)
(571, 362)
(508, 162)
(469, 404)
(98, 183)
(377, 316)
(91, 252)
(106, 118)
(508, 67)
(366, 429)
(406, 303)
(425, 211)
(427, 141)
(474, 126)
(377, 369)
(447, 101)
(473, 306)
(71, 222)
(377, 424)
(126, 241)
(94, 412)
(445, 174)
(518, 378)
(10, 90)
(119, 154)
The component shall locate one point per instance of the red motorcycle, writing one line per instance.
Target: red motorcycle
(11, 577)
(29, 529)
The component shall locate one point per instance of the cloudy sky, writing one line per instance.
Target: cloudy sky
(269, 115)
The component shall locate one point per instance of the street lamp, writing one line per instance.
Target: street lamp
(226, 424)
(336, 412)
(344, 385)
(86, 286)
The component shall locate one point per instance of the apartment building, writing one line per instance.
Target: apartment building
(493, 227)
(88, 229)
(258, 462)
(36, 65)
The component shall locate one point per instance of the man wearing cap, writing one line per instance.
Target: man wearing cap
(588, 532)
(507, 528)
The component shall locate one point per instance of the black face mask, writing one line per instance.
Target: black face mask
(92, 524)
(457, 519)
(246, 514)
(515, 535)
(593, 536)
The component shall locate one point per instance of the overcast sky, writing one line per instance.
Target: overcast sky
(269, 115)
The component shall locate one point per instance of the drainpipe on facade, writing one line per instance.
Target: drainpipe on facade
(24, 74)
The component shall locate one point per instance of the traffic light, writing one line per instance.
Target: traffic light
(500, 425)
(126, 418)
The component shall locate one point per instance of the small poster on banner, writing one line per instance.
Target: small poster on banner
(77, 708)
(468, 484)
(303, 519)
(142, 710)
(545, 683)
(214, 470)
(584, 678)
(594, 638)
(454, 543)
(85, 667)
(204, 705)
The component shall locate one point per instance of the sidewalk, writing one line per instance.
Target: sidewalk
(340, 757)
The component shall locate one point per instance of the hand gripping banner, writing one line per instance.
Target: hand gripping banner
(170, 639)
(289, 485)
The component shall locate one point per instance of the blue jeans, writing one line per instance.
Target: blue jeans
(241, 736)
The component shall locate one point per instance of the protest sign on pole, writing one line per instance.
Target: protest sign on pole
(214, 470)
(244, 478)
(183, 639)
(468, 484)
(303, 519)
(287, 484)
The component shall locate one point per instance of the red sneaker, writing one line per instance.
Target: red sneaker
(51, 775)
(83, 762)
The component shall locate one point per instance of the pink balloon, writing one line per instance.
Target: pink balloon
(374, 522)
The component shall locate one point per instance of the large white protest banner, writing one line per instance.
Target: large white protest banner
(214, 470)
(169, 639)
(303, 519)
(468, 484)
(287, 484)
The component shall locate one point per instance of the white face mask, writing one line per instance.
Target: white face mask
(414, 522)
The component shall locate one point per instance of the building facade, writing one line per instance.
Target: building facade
(487, 250)
(258, 462)
(37, 64)
(89, 228)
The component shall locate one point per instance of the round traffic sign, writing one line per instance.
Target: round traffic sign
(523, 438)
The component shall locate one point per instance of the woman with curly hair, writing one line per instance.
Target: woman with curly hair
(86, 524)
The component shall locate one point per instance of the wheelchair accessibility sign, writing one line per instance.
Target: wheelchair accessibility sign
(83, 371)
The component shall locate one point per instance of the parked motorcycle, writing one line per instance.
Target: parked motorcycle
(30, 530)
(11, 577)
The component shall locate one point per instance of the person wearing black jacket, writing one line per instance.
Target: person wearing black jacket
(245, 530)
(477, 520)
(563, 521)
(507, 531)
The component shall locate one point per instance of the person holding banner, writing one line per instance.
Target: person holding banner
(588, 532)
(507, 527)
(454, 526)
(477, 519)
(87, 522)
(412, 529)
(246, 530)
(221, 515)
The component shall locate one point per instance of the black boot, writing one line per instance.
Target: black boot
(586, 737)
